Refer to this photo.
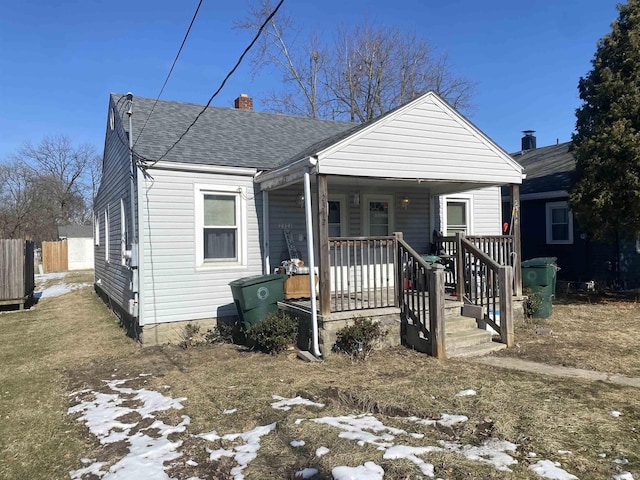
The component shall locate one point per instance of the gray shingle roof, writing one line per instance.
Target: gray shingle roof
(75, 231)
(548, 168)
(224, 136)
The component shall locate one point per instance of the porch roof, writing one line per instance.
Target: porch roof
(425, 140)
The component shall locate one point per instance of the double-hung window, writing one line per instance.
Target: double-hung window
(559, 221)
(220, 218)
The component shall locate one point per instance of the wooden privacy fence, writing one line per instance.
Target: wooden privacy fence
(17, 279)
(55, 256)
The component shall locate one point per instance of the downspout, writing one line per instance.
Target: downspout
(265, 232)
(133, 262)
(311, 259)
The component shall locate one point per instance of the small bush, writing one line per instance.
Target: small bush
(532, 303)
(190, 336)
(274, 334)
(359, 339)
(223, 332)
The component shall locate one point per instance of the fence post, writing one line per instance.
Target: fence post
(436, 312)
(506, 306)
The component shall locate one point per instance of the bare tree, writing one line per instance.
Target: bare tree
(47, 185)
(363, 72)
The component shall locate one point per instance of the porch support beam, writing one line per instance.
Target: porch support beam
(515, 231)
(323, 250)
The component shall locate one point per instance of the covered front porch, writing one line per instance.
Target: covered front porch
(365, 210)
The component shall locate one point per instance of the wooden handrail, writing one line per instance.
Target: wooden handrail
(495, 266)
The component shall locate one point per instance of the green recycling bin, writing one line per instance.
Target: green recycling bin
(257, 296)
(539, 274)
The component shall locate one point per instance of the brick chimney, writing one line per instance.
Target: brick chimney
(243, 102)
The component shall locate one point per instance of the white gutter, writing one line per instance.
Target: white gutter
(311, 257)
(286, 175)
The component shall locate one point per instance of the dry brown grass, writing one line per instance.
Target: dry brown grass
(599, 333)
(71, 342)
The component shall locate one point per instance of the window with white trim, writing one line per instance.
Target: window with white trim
(220, 226)
(559, 223)
(123, 233)
(96, 230)
(457, 217)
(378, 215)
(106, 235)
(337, 216)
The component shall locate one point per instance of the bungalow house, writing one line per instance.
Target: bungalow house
(548, 228)
(179, 217)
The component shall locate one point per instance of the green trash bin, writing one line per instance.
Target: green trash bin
(540, 274)
(257, 296)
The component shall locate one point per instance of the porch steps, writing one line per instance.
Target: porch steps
(463, 338)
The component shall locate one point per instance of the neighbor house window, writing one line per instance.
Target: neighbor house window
(559, 221)
(106, 235)
(220, 216)
(378, 215)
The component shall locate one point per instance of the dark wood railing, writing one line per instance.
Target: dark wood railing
(500, 248)
(362, 272)
(421, 302)
(487, 285)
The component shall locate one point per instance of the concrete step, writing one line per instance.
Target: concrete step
(458, 323)
(465, 338)
(475, 350)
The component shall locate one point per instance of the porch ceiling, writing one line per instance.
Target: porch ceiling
(433, 186)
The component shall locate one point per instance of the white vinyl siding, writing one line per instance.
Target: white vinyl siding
(559, 223)
(424, 141)
(176, 286)
(484, 211)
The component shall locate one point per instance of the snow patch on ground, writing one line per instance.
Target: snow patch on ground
(466, 393)
(57, 289)
(286, 403)
(549, 469)
(368, 471)
(623, 476)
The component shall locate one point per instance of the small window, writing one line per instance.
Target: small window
(337, 216)
(220, 227)
(559, 221)
(123, 233)
(457, 217)
(112, 119)
(106, 235)
(96, 230)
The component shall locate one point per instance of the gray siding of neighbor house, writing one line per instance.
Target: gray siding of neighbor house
(113, 278)
(174, 288)
(285, 213)
(427, 140)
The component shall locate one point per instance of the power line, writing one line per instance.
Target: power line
(231, 72)
(175, 60)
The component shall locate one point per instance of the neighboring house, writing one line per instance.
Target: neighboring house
(548, 228)
(214, 208)
(79, 245)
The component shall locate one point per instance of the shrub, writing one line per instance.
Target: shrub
(274, 334)
(532, 303)
(223, 332)
(359, 339)
(190, 336)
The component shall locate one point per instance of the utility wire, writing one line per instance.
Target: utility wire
(231, 72)
(175, 60)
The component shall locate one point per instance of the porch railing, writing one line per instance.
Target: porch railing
(488, 286)
(421, 298)
(500, 248)
(362, 272)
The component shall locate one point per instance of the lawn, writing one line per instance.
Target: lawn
(77, 397)
(595, 332)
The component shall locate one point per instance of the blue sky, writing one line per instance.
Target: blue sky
(59, 60)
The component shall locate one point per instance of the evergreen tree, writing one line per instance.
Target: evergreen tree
(606, 193)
